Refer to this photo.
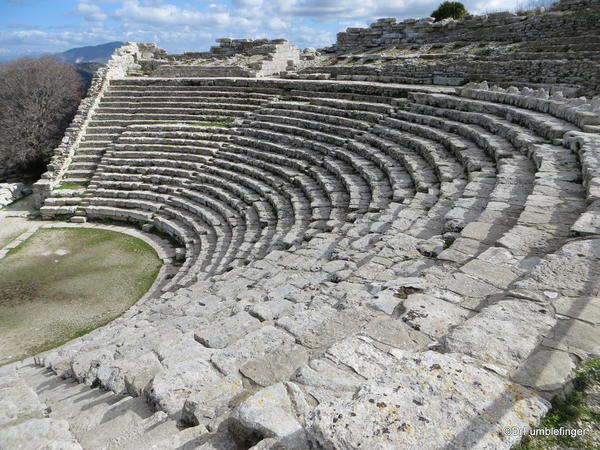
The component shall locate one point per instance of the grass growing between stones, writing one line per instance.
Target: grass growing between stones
(62, 283)
(65, 186)
(579, 410)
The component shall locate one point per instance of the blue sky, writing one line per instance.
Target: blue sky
(47, 26)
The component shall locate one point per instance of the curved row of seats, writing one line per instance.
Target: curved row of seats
(312, 164)
(124, 104)
(316, 217)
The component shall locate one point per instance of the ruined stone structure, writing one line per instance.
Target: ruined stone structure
(359, 265)
(557, 49)
(232, 58)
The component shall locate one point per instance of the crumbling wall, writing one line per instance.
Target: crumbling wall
(567, 18)
(124, 59)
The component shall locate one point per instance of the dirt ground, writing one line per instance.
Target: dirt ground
(63, 282)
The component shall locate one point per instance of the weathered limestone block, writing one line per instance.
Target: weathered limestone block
(317, 328)
(503, 334)
(545, 370)
(586, 309)
(576, 337)
(258, 344)
(275, 366)
(395, 333)
(170, 388)
(270, 414)
(29, 435)
(130, 376)
(426, 398)
(17, 399)
(571, 271)
(224, 332)
(211, 401)
(431, 315)
(386, 301)
(11, 192)
(589, 222)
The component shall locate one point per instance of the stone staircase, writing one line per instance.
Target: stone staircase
(68, 415)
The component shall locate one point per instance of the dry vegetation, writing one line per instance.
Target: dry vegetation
(38, 99)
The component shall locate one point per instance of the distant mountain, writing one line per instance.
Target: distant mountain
(87, 70)
(91, 54)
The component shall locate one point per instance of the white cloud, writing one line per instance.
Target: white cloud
(187, 25)
(168, 14)
(277, 23)
(90, 12)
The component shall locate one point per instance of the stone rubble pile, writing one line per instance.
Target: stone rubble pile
(11, 192)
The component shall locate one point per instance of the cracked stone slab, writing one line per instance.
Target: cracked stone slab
(257, 344)
(319, 328)
(589, 222)
(276, 366)
(426, 398)
(570, 275)
(224, 332)
(467, 286)
(211, 401)
(430, 315)
(503, 334)
(494, 274)
(586, 309)
(171, 387)
(272, 310)
(483, 231)
(523, 240)
(395, 333)
(545, 370)
(575, 336)
(17, 399)
(386, 301)
(270, 414)
(130, 376)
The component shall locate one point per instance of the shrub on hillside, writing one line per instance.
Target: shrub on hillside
(38, 99)
(454, 10)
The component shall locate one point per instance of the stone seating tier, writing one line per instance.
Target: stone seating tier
(339, 240)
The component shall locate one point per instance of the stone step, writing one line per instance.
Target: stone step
(543, 124)
(176, 108)
(323, 112)
(149, 99)
(289, 118)
(177, 116)
(164, 149)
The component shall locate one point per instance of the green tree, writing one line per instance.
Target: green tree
(454, 10)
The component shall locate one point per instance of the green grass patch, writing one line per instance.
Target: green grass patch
(62, 283)
(64, 186)
(575, 411)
